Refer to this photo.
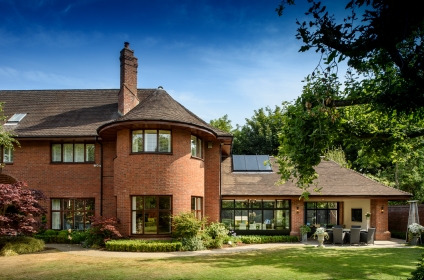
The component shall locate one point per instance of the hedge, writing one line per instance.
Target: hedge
(259, 239)
(142, 246)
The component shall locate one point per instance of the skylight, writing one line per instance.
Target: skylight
(15, 119)
(251, 163)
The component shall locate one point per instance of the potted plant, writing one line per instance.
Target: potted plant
(368, 216)
(321, 234)
(414, 232)
(304, 229)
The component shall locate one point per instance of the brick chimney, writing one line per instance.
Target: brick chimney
(127, 98)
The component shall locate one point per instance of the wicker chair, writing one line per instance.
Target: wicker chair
(338, 235)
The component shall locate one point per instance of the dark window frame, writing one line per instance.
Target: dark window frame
(73, 152)
(259, 207)
(199, 154)
(316, 207)
(2, 150)
(157, 142)
(143, 212)
(356, 214)
(198, 213)
(86, 221)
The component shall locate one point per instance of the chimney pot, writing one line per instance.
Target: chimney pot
(127, 45)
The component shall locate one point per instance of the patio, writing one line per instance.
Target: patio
(393, 242)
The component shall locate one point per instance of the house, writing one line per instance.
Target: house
(138, 155)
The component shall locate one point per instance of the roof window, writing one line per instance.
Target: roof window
(251, 163)
(15, 119)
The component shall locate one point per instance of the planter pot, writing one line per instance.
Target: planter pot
(305, 237)
(413, 241)
(321, 240)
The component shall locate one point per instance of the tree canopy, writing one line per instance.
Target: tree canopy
(378, 106)
(222, 123)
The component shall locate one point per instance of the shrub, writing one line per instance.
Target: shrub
(259, 239)
(102, 230)
(20, 245)
(50, 232)
(186, 225)
(217, 232)
(194, 243)
(418, 273)
(143, 246)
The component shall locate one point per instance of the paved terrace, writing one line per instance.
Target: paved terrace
(79, 250)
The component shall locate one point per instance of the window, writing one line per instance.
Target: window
(357, 215)
(256, 214)
(72, 213)
(15, 119)
(7, 155)
(72, 152)
(153, 141)
(196, 147)
(151, 214)
(197, 206)
(321, 213)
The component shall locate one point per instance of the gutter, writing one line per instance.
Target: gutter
(101, 174)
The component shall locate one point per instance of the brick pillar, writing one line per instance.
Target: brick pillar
(297, 216)
(127, 97)
(379, 219)
(212, 182)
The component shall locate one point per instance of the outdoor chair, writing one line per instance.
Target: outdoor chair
(252, 226)
(368, 237)
(338, 235)
(355, 227)
(338, 226)
(354, 235)
(242, 226)
(264, 226)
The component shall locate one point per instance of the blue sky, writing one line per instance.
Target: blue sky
(214, 57)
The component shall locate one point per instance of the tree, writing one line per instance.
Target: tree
(379, 106)
(19, 207)
(222, 123)
(260, 133)
(6, 138)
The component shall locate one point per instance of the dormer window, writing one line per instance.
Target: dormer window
(15, 119)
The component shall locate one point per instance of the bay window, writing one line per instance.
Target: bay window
(153, 141)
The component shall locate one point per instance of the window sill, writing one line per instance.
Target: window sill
(198, 158)
(86, 162)
(151, 153)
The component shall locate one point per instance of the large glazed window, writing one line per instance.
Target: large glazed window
(196, 147)
(151, 214)
(256, 214)
(321, 213)
(72, 213)
(151, 141)
(73, 152)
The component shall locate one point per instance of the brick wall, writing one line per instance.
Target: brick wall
(57, 180)
(379, 219)
(176, 174)
(398, 216)
(212, 182)
(297, 218)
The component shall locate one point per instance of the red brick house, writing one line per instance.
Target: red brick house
(140, 156)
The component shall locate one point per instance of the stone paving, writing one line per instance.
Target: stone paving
(79, 250)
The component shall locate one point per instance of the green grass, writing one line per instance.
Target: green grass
(281, 263)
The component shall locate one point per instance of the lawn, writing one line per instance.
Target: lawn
(281, 263)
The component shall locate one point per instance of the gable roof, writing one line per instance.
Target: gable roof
(79, 113)
(334, 180)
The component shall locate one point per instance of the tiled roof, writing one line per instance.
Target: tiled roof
(334, 180)
(79, 113)
(160, 106)
(59, 113)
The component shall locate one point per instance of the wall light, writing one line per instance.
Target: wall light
(297, 209)
(382, 209)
